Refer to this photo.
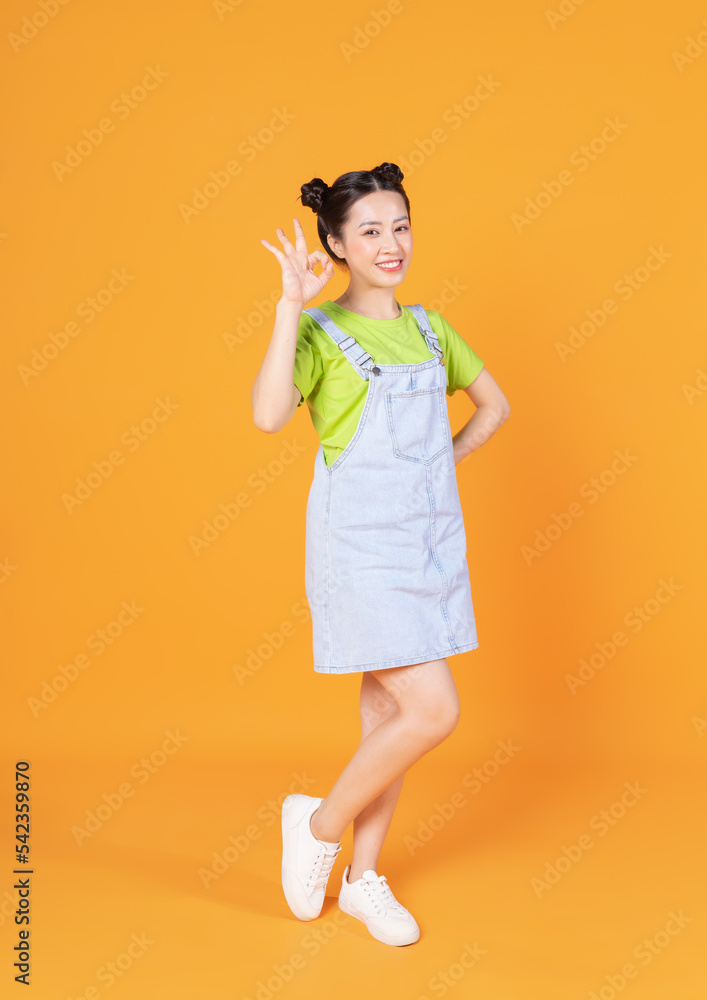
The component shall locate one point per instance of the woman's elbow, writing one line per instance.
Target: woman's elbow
(501, 410)
(271, 421)
(267, 423)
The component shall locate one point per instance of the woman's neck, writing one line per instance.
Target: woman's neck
(374, 303)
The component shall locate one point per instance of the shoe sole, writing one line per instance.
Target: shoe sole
(287, 884)
(373, 931)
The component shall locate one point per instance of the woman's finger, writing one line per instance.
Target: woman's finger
(300, 238)
(320, 256)
(276, 250)
(285, 240)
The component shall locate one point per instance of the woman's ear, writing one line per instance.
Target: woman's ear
(336, 246)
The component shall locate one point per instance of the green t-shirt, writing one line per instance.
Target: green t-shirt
(336, 393)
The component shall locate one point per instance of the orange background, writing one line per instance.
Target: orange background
(189, 325)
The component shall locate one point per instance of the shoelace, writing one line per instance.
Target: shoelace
(322, 866)
(382, 895)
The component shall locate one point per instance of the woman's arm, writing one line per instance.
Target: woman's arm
(492, 410)
(274, 396)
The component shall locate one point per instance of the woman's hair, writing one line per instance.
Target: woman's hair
(332, 204)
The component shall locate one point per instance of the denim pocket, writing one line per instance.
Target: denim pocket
(418, 424)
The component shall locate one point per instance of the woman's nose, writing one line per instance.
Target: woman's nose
(390, 242)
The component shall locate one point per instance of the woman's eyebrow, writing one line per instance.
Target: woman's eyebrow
(375, 222)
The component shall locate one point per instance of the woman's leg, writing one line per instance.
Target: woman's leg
(371, 826)
(428, 711)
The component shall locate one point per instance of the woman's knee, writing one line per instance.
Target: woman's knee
(427, 698)
(439, 717)
(434, 717)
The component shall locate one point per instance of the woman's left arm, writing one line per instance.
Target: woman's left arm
(492, 410)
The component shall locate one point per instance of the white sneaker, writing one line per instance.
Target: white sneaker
(371, 900)
(306, 861)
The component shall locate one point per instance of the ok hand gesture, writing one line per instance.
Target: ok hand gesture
(299, 282)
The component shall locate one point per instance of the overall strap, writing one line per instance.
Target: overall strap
(426, 328)
(361, 361)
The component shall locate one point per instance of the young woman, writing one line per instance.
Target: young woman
(386, 575)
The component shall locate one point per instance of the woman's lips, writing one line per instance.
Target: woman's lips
(397, 267)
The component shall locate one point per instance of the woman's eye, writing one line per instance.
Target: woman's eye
(373, 230)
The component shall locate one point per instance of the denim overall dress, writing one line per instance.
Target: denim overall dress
(386, 574)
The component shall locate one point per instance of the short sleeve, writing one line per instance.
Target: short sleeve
(308, 361)
(462, 363)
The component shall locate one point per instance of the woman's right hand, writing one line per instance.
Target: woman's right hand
(299, 282)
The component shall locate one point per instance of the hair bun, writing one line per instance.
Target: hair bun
(313, 193)
(390, 171)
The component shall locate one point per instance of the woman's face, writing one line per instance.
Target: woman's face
(377, 233)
